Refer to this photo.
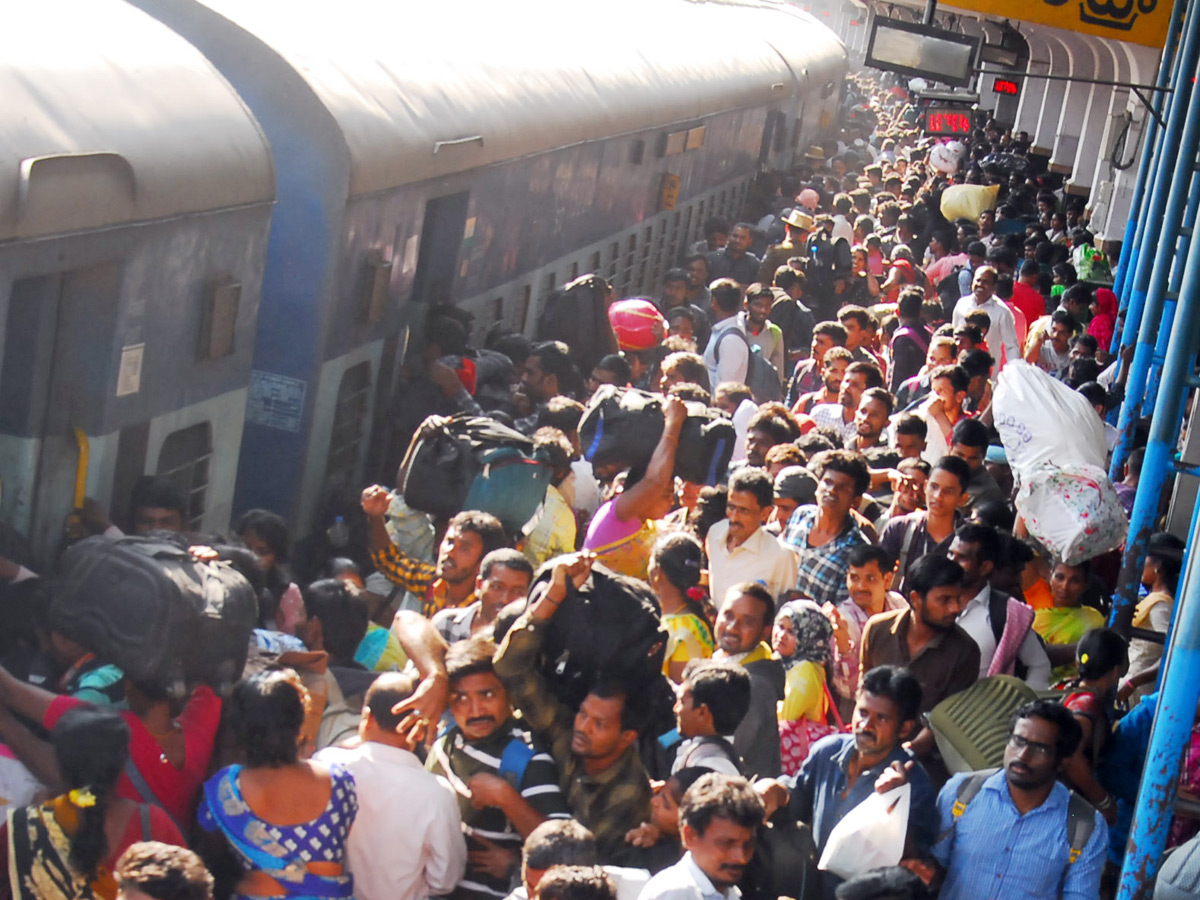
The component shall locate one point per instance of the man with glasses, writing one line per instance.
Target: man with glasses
(1019, 832)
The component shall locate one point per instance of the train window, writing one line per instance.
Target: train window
(218, 325)
(526, 302)
(594, 262)
(781, 133)
(183, 459)
(375, 289)
(548, 285)
(573, 271)
(497, 309)
(349, 416)
(637, 152)
(796, 129)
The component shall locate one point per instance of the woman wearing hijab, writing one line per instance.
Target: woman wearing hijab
(802, 638)
(1104, 319)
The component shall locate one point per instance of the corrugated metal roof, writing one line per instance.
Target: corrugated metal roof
(426, 89)
(109, 117)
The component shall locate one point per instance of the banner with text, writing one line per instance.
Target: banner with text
(1138, 21)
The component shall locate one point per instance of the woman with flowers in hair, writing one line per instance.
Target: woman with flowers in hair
(1091, 696)
(802, 637)
(674, 571)
(67, 847)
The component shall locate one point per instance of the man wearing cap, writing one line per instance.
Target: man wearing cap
(796, 225)
(795, 486)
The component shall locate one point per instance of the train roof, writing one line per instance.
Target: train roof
(110, 117)
(421, 90)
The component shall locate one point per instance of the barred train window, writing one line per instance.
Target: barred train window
(184, 460)
(348, 418)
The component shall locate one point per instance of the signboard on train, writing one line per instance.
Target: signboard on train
(1137, 21)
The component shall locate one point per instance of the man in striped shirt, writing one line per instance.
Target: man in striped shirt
(506, 786)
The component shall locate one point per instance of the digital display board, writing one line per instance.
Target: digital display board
(1006, 86)
(946, 121)
(922, 50)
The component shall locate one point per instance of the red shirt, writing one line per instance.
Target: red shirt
(1028, 301)
(178, 790)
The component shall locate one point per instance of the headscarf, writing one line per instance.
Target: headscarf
(1102, 324)
(812, 630)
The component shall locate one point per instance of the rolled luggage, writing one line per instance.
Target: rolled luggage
(150, 607)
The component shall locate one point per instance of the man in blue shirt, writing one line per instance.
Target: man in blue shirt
(1013, 839)
(843, 769)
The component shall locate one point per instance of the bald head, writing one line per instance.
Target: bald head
(378, 721)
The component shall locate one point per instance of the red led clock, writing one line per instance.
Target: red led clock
(943, 121)
(1006, 86)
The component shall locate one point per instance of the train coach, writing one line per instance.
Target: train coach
(389, 156)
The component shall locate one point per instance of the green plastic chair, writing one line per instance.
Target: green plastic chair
(971, 727)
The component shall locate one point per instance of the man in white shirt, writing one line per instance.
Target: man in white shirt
(718, 819)
(1002, 335)
(842, 415)
(406, 842)
(999, 624)
(736, 400)
(738, 548)
(727, 355)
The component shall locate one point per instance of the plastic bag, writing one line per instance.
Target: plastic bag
(1073, 510)
(1041, 420)
(967, 201)
(870, 836)
(1090, 264)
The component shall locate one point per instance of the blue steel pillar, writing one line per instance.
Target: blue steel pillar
(1184, 122)
(1135, 223)
(1171, 300)
(1180, 680)
(1162, 217)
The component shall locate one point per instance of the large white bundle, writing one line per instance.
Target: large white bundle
(1073, 510)
(1041, 420)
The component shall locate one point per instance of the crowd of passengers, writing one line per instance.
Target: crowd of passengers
(393, 737)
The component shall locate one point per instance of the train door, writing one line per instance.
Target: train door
(54, 379)
(441, 239)
(433, 282)
(773, 128)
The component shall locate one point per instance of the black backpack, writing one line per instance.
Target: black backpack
(148, 606)
(473, 462)
(705, 445)
(577, 316)
(621, 427)
(784, 862)
(610, 627)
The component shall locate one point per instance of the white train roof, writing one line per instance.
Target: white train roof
(109, 117)
(420, 90)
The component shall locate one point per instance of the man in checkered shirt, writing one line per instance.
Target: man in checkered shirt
(823, 534)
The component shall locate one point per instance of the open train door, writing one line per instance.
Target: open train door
(58, 354)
